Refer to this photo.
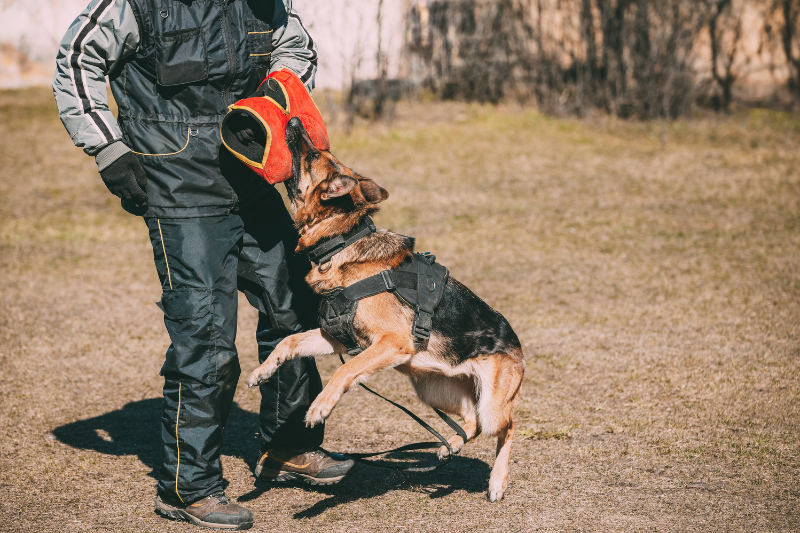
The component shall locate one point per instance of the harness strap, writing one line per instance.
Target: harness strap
(385, 281)
(427, 300)
(361, 457)
(419, 283)
(322, 252)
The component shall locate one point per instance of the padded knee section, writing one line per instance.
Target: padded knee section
(202, 347)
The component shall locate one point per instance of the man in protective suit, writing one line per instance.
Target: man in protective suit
(175, 67)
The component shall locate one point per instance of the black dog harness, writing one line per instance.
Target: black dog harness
(419, 283)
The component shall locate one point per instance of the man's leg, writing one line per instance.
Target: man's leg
(272, 277)
(196, 261)
(286, 397)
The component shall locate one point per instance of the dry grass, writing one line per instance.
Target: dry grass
(656, 289)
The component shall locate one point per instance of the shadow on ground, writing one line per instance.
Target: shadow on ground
(135, 430)
(461, 474)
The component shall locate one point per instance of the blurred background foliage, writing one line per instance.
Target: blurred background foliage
(629, 58)
(640, 59)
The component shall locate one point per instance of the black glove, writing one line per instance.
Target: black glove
(125, 178)
(245, 136)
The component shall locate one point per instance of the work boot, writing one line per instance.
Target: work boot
(317, 467)
(214, 512)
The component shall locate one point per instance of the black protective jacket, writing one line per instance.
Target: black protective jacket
(173, 84)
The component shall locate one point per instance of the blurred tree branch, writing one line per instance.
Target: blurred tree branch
(631, 58)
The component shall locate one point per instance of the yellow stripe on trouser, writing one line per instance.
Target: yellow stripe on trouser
(177, 442)
(169, 276)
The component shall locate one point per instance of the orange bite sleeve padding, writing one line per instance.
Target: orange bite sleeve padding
(265, 114)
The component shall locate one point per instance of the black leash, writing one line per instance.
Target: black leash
(362, 457)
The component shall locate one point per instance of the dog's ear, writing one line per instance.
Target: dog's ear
(339, 186)
(372, 192)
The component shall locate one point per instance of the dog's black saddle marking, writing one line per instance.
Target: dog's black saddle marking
(418, 282)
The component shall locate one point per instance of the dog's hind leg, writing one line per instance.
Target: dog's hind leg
(453, 395)
(499, 477)
(456, 442)
(501, 378)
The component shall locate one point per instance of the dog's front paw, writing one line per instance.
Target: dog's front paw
(317, 413)
(313, 418)
(261, 374)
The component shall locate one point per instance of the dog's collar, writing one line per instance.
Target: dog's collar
(323, 251)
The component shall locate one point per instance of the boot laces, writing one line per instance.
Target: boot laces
(221, 498)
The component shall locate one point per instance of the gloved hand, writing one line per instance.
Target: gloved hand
(245, 136)
(125, 178)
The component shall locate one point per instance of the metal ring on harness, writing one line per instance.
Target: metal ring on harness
(326, 267)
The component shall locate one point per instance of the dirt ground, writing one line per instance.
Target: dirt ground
(655, 286)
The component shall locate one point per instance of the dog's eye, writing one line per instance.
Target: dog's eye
(311, 157)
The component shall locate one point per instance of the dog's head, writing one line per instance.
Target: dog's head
(321, 186)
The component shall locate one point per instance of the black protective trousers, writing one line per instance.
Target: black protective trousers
(201, 263)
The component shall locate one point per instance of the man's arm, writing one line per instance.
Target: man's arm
(293, 47)
(105, 33)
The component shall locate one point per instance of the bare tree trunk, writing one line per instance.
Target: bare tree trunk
(381, 61)
(642, 71)
(727, 78)
(613, 55)
(791, 13)
(589, 75)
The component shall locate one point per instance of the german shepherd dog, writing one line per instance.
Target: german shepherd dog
(473, 364)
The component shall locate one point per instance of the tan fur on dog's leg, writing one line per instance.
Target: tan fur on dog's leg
(308, 343)
(507, 382)
(456, 442)
(499, 476)
(453, 395)
(387, 352)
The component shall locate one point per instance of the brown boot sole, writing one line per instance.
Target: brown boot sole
(283, 476)
(176, 513)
